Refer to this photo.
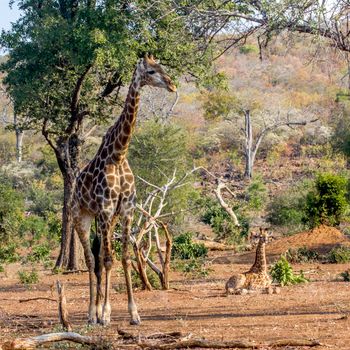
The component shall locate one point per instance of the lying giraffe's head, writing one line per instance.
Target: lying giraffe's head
(264, 236)
(154, 75)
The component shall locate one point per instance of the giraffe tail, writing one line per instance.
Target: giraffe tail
(96, 243)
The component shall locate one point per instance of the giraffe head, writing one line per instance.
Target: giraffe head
(264, 236)
(153, 74)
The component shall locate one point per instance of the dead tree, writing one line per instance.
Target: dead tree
(251, 145)
(14, 125)
(145, 234)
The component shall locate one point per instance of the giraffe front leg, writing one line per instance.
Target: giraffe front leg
(132, 308)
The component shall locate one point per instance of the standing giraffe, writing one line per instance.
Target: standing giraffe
(257, 277)
(105, 190)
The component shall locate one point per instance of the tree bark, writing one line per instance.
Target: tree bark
(248, 152)
(71, 253)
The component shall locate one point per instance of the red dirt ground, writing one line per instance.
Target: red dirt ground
(316, 310)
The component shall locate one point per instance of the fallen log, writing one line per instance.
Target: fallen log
(212, 344)
(38, 298)
(33, 342)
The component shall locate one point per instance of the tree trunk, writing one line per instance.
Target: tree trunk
(71, 254)
(248, 151)
(19, 139)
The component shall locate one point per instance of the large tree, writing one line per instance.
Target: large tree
(68, 60)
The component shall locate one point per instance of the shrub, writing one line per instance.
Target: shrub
(193, 267)
(339, 255)
(185, 248)
(282, 273)
(327, 203)
(33, 225)
(219, 104)
(40, 253)
(301, 255)
(287, 209)
(256, 193)
(28, 277)
(248, 48)
(11, 211)
(152, 278)
(8, 253)
(345, 275)
(221, 223)
(2, 268)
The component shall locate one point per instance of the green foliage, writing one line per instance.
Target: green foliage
(152, 278)
(2, 268)
(52, 46)
(157, 149)
(192, 267)
(8, 253)
(339, 255)
(40, 253)
(219, 104)
(28, 278)
(185, 248)
(287, 209)
(282, 273)
(11, 211)
(256, 193)
(117, 248)
(33, 225)
(327, 203)
(302, 255)
(345, 275)
(41, 201)
(341, 134)
(221, 223)
(248, 48)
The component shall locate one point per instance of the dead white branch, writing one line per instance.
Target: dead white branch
(33, 342)
(224, 205)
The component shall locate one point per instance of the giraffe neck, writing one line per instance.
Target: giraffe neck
(119, 136)
(260, 259)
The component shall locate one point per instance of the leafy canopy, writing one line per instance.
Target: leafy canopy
(58, 44)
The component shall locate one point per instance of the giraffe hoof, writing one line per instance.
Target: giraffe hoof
(92, 321)
(135, 322)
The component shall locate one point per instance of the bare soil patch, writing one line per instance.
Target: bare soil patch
(316, 310)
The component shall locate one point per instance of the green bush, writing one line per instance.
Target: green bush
(2, 268)
(222, 224)
(287, 209)
(248, 48)
(301, 255)
(184, 248)
(11, 211)
(152, 278)
(192, 267)
(219, 104)
(345, 275)
(28, 278)
(339, 255)
(40, 253)
(327, 203)
(35, 226)
(282, 273)
(8, 253)
(256, 194)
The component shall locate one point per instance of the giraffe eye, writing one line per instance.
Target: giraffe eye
(151, 71)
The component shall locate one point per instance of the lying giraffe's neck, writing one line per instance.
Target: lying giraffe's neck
(260, 259)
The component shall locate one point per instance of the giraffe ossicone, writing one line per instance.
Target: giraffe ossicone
(105, 190)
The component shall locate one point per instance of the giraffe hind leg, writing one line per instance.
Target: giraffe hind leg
(97, 249)
(82, 224)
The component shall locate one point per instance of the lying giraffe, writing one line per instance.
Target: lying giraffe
(257, 278)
